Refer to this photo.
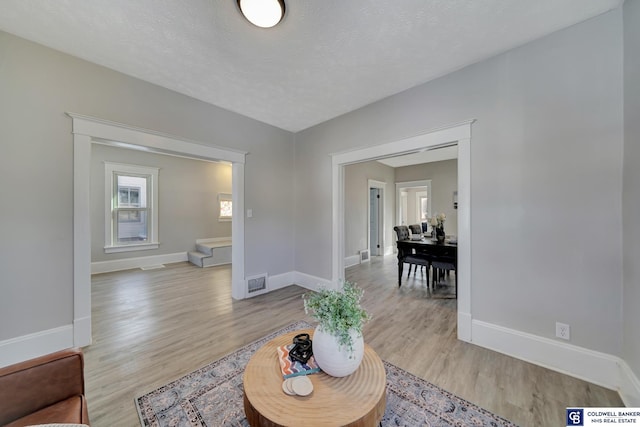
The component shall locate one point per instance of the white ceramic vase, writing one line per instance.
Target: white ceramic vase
(335, 360)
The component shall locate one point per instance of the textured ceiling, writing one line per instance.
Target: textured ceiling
(326, 58)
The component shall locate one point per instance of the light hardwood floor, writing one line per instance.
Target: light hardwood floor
(151, 327)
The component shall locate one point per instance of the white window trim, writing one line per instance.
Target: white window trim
(224, 197)
(109, 245)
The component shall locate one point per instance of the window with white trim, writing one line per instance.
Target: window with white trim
(131, 207)
(225, 207)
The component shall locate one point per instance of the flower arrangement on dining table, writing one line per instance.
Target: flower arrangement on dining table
(437, 222)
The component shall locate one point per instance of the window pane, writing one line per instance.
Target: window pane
(225, 208)
(129, 216)
(132, 191)
(134, 197)
(123, 196)
(132, 226)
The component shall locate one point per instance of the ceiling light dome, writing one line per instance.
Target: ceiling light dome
(262, 13)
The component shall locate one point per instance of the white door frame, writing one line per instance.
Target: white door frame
(460, 133)
(88, 130)
(371, 183)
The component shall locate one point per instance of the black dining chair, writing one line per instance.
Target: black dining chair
(444, 264)
(415, 260)
(416, 229)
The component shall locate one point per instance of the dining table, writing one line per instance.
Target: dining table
(426, 248)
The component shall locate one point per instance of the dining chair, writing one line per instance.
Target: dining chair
(444, 264)
(416, 229)
(415, 260)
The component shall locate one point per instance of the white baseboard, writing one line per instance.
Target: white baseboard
(629, 386)
(389, 250)
(351, 261)
(303, 280)
(26, 347)
(280, 281)
(139, 262)
(310, 282)
(593, 366)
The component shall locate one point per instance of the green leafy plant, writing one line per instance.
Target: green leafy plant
(338, 311)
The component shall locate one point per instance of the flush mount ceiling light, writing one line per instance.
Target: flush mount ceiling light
(262, 13)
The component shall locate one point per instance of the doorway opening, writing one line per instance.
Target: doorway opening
(90, 130)
(413, 202)
(459, 134)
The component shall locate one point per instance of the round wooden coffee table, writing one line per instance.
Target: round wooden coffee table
(356, 400)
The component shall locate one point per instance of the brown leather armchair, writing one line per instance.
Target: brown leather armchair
(47, 389)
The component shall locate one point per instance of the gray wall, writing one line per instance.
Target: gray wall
(187, 200)
(546, 180)
(37, 86)
(444, 181)
(356, 196)
(631, 193)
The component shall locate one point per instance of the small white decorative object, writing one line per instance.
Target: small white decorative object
(302, 386)
(334, 359)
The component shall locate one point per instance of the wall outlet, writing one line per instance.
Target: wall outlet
(563, 331)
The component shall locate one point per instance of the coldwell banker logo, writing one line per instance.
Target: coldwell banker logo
(575, 417)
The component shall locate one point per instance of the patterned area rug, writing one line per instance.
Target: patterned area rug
(212, 396)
